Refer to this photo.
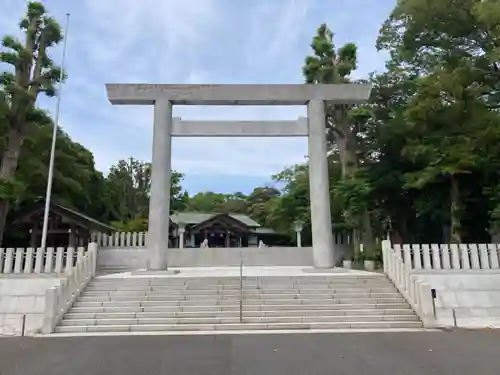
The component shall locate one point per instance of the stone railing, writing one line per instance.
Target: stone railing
(450, 257)
(60, 298)
(120, 239)
(417, 293)
(38, 260)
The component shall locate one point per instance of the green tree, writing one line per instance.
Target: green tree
(31, 72)
(450, 49)
(77, 184)
(206, 202)
(344, 122)
(128, 187)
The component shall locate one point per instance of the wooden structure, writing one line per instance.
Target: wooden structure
(220, 230)
(66, 227)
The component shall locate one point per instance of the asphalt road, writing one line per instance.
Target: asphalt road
(422, 353)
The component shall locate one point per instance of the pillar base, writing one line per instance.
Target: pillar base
(323, 270)
(155, 273)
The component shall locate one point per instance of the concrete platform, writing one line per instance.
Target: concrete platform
(248, 271)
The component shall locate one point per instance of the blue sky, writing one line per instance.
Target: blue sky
(195, 41)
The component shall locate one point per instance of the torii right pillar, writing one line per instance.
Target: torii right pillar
(319, 186)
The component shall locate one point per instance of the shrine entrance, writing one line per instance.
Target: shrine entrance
(163, 97)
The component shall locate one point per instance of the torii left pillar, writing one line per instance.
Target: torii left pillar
(159, 203)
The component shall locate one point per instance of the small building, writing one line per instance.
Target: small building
(66, 227)
(220, 230)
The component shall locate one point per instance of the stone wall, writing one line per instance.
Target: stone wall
(23, 295)
(474, 296)
(465, 277)
(135, 258)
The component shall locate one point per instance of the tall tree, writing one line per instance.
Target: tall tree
(128, 187)
(31, 72)
(331, 65)
(451, 48)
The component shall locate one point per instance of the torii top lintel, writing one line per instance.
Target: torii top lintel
(237, 94)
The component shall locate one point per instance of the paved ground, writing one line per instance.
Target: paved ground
(425, 353)
(247, 271)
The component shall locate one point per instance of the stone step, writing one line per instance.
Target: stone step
(233, 320)
(236, 283)
(234, 313)
(209, 288)
(141, 304)
(231, 308)
(211, 285)
(241, 326)
(224, 279)
(152, 296)
(247, 302)
(168, 290)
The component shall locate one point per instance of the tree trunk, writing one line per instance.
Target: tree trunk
(455, 210)
(367, 234)
(10, 159)
(349, 165)
(347, 153)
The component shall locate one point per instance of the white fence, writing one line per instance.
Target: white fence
(417, 293)
(38, 260)
(449, 257)
(120, 239)
(60, 298)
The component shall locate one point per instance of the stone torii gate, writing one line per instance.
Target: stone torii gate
(164, 96)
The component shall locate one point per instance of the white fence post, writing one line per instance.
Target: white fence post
(80, 253)
(445, 256)
(407, 256)
(483, 257)
(455, 256)
(92, 250)
(436, 257)
(18, 262)
(9, 258)
(417, 256)
(59, 259)
(464, 251)
(493, 251)
(474, 255)
(49, 259)
(39, 260)
(427, 257)
(69, 259)
(28, 262)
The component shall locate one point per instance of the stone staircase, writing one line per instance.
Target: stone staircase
(140, 304)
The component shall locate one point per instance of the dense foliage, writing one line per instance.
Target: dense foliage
(420, 161)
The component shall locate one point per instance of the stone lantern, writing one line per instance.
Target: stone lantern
(297, 227)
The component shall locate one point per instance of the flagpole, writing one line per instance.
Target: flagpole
(54, 137)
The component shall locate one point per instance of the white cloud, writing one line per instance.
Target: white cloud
(286, 22)
(191, 41)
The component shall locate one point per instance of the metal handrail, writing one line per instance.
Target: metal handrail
(241, 291)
